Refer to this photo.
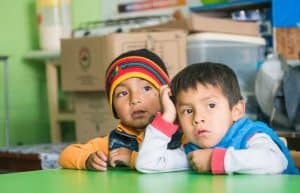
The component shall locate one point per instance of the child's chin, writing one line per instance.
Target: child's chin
(205, 145)
(140, 125)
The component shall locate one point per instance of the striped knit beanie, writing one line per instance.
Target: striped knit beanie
(135, 64)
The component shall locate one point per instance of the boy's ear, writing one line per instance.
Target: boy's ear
(238, 110)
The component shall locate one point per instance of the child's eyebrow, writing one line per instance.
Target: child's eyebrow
(209, 97)
(206, 98)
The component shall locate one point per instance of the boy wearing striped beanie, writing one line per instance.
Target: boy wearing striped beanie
(132, 83)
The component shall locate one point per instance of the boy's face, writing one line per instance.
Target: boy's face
(135, 101)
(204, 114)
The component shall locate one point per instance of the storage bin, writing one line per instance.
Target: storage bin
(242, 53)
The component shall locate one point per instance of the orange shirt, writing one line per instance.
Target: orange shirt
(74, 156)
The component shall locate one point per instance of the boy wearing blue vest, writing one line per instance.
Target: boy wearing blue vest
(210, 110)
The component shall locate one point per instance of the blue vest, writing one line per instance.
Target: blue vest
(238, 135)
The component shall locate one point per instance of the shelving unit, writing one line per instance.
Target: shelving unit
(234, 5)
(4, 60)
(52, 60)
(226, 9)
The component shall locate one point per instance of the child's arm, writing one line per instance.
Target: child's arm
(262, 156)
(74, 156)
(153, 154)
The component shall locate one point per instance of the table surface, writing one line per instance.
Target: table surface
(128, 181)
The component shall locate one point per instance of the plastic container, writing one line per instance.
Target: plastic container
(243, 54)
(54, 22)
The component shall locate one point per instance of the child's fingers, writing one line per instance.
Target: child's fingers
(113, 160)
(120, 156)
(102, 166)
(192, 162)
(168, 107)
(101, 155)
(190, 158)
(114, 157)
(200, 160)
(97, 161)
(165, 90)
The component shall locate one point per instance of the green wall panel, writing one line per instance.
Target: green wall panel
(28, 110)
(29, 122)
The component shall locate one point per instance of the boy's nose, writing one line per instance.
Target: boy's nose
(135, 99)
(196, 122)
(198, 118)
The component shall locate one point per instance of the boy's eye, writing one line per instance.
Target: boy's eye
(211, 105)
(121, 93)
(147, 88)
(187, 111)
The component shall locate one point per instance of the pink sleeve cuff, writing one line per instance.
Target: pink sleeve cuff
(217, 161)
(163, 126)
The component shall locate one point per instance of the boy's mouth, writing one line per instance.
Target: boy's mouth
(201, 133)
(138, 114)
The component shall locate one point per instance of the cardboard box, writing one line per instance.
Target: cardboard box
(93, 117)
(84, 60)
(199, 23)
(287, 42)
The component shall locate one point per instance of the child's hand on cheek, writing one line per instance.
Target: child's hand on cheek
(169, 110)
(97, 161)
(200, 160)
(120, 156)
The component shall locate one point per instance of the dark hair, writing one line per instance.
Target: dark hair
(216, 74)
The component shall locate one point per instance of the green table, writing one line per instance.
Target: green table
(127, 181)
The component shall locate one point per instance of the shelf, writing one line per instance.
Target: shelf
(52, 56)
(233, 6)
(51, 59)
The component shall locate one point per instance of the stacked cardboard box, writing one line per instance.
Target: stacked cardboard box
(287, 42)
(199, 23)
(92, 117)
(286, 20)
(84, 60)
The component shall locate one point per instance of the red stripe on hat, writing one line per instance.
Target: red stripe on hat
(138, 59)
